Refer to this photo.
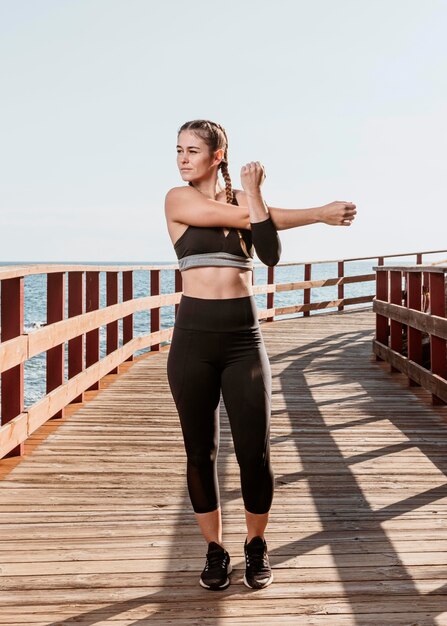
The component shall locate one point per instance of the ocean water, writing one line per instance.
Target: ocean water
(35, 305)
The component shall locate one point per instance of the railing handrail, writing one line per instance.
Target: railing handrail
(14, 271)
(17, 271)
(364, 258)
(412, 268)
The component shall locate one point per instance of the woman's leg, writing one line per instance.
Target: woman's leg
(246, 390)
(256, 524)
(195, 386)
(210, 525)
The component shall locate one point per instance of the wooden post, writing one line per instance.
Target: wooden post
(307, 276)
(155, 312)
(92, 337)
(112, 327)
(437, 344)
(178, 286)
(12, 380)
(75, 345)
(414, 336)
(381, 320)
(341, 286)
(396, 327)
(128, 319)
(55, 313)
(270, 295)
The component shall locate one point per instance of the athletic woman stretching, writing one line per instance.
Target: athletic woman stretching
(217, 344)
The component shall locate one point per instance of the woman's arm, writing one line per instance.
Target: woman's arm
(188, 206)
(266, 241)
(335, 214)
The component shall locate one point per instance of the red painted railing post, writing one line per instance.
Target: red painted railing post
(270, 295)
(11, 324)
(382, 320)
(155, 312)
(76, 307)
(306, 297)
(437, 344)
(55, 312)
(414, 336)
(112, 327)
(178, 286)
(341, 286)
(419, 258)
(92, 336)
(128, 319)
(396, 298)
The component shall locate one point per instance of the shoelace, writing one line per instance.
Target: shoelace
(257, 559)
(215, 559)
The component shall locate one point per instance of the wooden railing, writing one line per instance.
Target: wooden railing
(80, 329)
(411, 324)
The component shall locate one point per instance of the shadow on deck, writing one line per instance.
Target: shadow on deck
(97, 526)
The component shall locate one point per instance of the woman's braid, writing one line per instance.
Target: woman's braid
(226, 176)
(229, 188)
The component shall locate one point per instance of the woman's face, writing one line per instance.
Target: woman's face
(193, 157)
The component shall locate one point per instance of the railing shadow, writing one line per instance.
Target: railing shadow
(348, 348)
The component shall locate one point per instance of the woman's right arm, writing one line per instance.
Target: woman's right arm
(338, 213)
(188, 206)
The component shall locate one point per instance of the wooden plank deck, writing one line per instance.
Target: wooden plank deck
(97, 528)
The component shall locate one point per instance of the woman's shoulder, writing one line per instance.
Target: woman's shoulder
(180, 191)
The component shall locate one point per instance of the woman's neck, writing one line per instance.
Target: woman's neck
(209, 188)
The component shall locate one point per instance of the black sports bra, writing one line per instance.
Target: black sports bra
(201, 246)
(208, 245)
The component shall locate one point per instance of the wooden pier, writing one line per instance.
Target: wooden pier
(95, 519)
(97, 528)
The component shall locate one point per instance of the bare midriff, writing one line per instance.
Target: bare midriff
(217, 282)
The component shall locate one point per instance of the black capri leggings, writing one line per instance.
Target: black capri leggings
(217, 345)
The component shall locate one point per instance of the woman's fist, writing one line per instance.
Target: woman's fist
(338, 213)
(252, 176)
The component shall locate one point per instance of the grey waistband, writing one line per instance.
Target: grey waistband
(215, 258)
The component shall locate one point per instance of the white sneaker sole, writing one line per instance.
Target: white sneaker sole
(267, 582)
(223, 586)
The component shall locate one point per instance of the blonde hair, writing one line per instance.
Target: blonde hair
(215, 137)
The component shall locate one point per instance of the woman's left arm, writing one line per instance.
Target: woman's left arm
(264, 233)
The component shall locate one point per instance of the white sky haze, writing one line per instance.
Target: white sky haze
(340, 100)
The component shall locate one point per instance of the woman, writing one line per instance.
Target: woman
(217, 344)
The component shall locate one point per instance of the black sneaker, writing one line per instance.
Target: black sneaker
(217, 568)
(258, 573)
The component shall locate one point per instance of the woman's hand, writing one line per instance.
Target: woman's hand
(252, 177)
(337, 213)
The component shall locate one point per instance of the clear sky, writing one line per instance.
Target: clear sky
(339, 99)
